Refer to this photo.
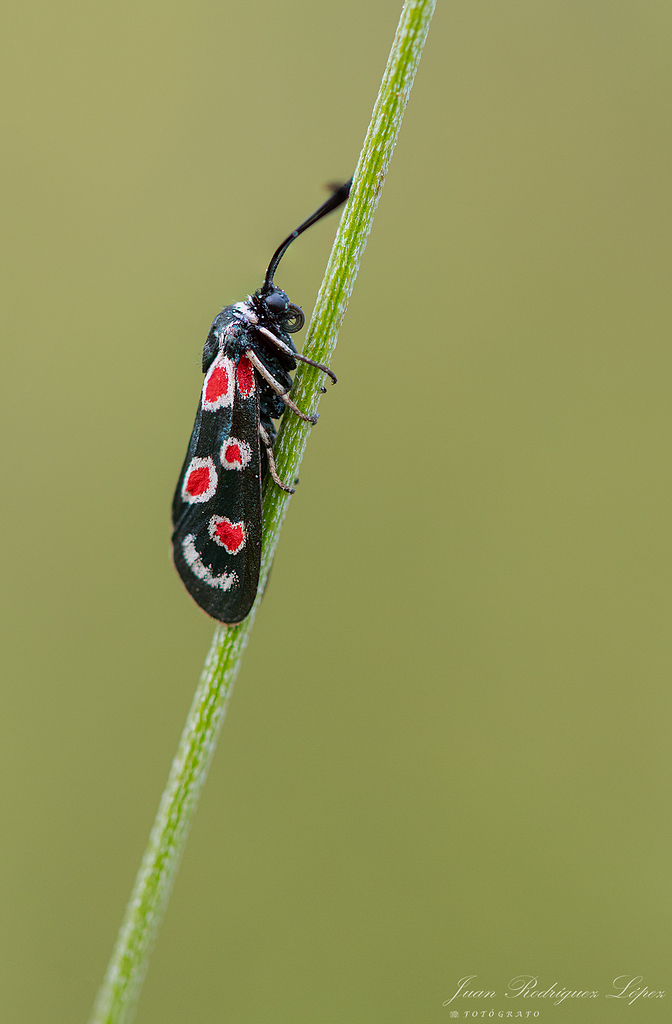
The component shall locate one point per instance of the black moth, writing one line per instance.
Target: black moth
(217, 515)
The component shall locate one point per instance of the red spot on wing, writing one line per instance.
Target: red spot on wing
(235, 454)
(245, 377)
(198, 481)
(218, 384)
(228, 535)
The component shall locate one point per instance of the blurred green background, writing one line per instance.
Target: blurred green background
(447, 750)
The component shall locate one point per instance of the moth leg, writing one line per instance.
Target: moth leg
(297, 355)
(271, 461)
(279, 390)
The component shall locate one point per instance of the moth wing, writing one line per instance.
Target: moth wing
(217, 505)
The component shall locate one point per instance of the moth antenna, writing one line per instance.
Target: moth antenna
(338, 197)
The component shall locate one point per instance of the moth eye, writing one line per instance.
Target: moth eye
(276, 302)
(294, 319)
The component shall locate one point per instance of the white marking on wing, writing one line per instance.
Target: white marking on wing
(200, 569)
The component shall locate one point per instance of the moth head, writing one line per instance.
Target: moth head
(275, 304)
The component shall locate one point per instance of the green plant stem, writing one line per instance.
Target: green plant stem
(121, 987)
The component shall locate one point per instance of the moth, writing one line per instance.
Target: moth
(217, 512)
